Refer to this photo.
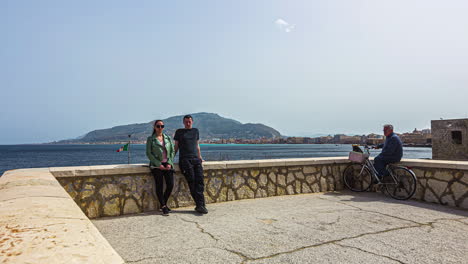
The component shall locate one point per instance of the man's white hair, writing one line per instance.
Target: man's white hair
(388, 126)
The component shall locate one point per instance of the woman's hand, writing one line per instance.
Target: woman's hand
(161, 167)
(168, 166)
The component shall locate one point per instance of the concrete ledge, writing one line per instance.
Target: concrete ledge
(101, 170)
(126, 169)
(40, 223)
(437, 164)
(121, 169)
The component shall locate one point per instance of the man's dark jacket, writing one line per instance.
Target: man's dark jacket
(392, 149)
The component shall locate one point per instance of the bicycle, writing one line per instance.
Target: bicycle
(361, 175)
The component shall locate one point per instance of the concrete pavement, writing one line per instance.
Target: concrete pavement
(334, 227)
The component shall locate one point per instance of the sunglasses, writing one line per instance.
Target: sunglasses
(159, 126)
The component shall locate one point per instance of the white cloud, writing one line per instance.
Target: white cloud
(284, 26)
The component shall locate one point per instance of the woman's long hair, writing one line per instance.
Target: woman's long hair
(155, 122)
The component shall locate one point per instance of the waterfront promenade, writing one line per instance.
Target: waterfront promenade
(288, 210)
(332, 227)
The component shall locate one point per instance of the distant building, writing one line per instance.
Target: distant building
(323, 140)
(375, 136)
(426, 131)
(295, 140)
(416, 138)
(374, 141)
(450, 139)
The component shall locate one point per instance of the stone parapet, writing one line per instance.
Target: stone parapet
(439, 181)
(40, 223)
(124, 189)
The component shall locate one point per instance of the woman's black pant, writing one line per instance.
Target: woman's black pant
(168, 176)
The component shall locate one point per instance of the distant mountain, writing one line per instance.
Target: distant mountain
(211, 126)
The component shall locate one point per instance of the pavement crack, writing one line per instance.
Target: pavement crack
(374, 212)
(240, 254)
(342, 239)
(452, 219)
(459, 221)
(56, 224)
(140, 260)
(202, 230)
(69, 218)
(372, 253)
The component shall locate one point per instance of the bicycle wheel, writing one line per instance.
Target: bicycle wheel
(357, 178)
(404, 185)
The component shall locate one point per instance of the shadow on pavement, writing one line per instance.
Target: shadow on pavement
(192, 212)
(365, 197)
(149, 213)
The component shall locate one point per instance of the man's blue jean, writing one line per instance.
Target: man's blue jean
(380, 162)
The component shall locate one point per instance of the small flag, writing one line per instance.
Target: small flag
(123, 148)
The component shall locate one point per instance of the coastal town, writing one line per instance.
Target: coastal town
(416, 138)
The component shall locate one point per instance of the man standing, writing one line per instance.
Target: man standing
(190, 161)
(392, 151)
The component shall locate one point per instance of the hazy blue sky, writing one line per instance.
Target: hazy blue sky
(302, 67)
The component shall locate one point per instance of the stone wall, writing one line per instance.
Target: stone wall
(110, 191)
(125, 189)
(442, 182)
(450, 139)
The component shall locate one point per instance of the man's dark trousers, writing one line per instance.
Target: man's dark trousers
(380, 162)
(193, 172)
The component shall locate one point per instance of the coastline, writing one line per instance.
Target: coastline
(201, 143)
(56, 155)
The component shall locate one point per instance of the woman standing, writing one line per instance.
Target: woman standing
(160, 151)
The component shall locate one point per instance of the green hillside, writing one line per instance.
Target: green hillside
(211, 126)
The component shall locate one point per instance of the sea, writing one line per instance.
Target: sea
(38, 156)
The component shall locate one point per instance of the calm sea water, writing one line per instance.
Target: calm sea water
(36, 156)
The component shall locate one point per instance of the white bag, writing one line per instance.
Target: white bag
(357, 157)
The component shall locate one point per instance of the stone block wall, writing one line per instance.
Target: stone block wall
(441, 182)
(444, 145)
(125, 189)
(248, 183)
(115, 194)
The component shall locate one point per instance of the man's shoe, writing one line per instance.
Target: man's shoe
(387, 179)
(165, 211)
(201, 209)
(375, 181)
(170, 210)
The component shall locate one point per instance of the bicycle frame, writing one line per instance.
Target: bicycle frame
(370, 165)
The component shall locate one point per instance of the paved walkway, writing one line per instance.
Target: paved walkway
(311, 228)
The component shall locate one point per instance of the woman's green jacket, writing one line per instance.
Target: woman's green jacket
(154, 150)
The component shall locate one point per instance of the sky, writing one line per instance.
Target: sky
(302, 67)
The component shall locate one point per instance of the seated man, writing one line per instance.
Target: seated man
(392, 151)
